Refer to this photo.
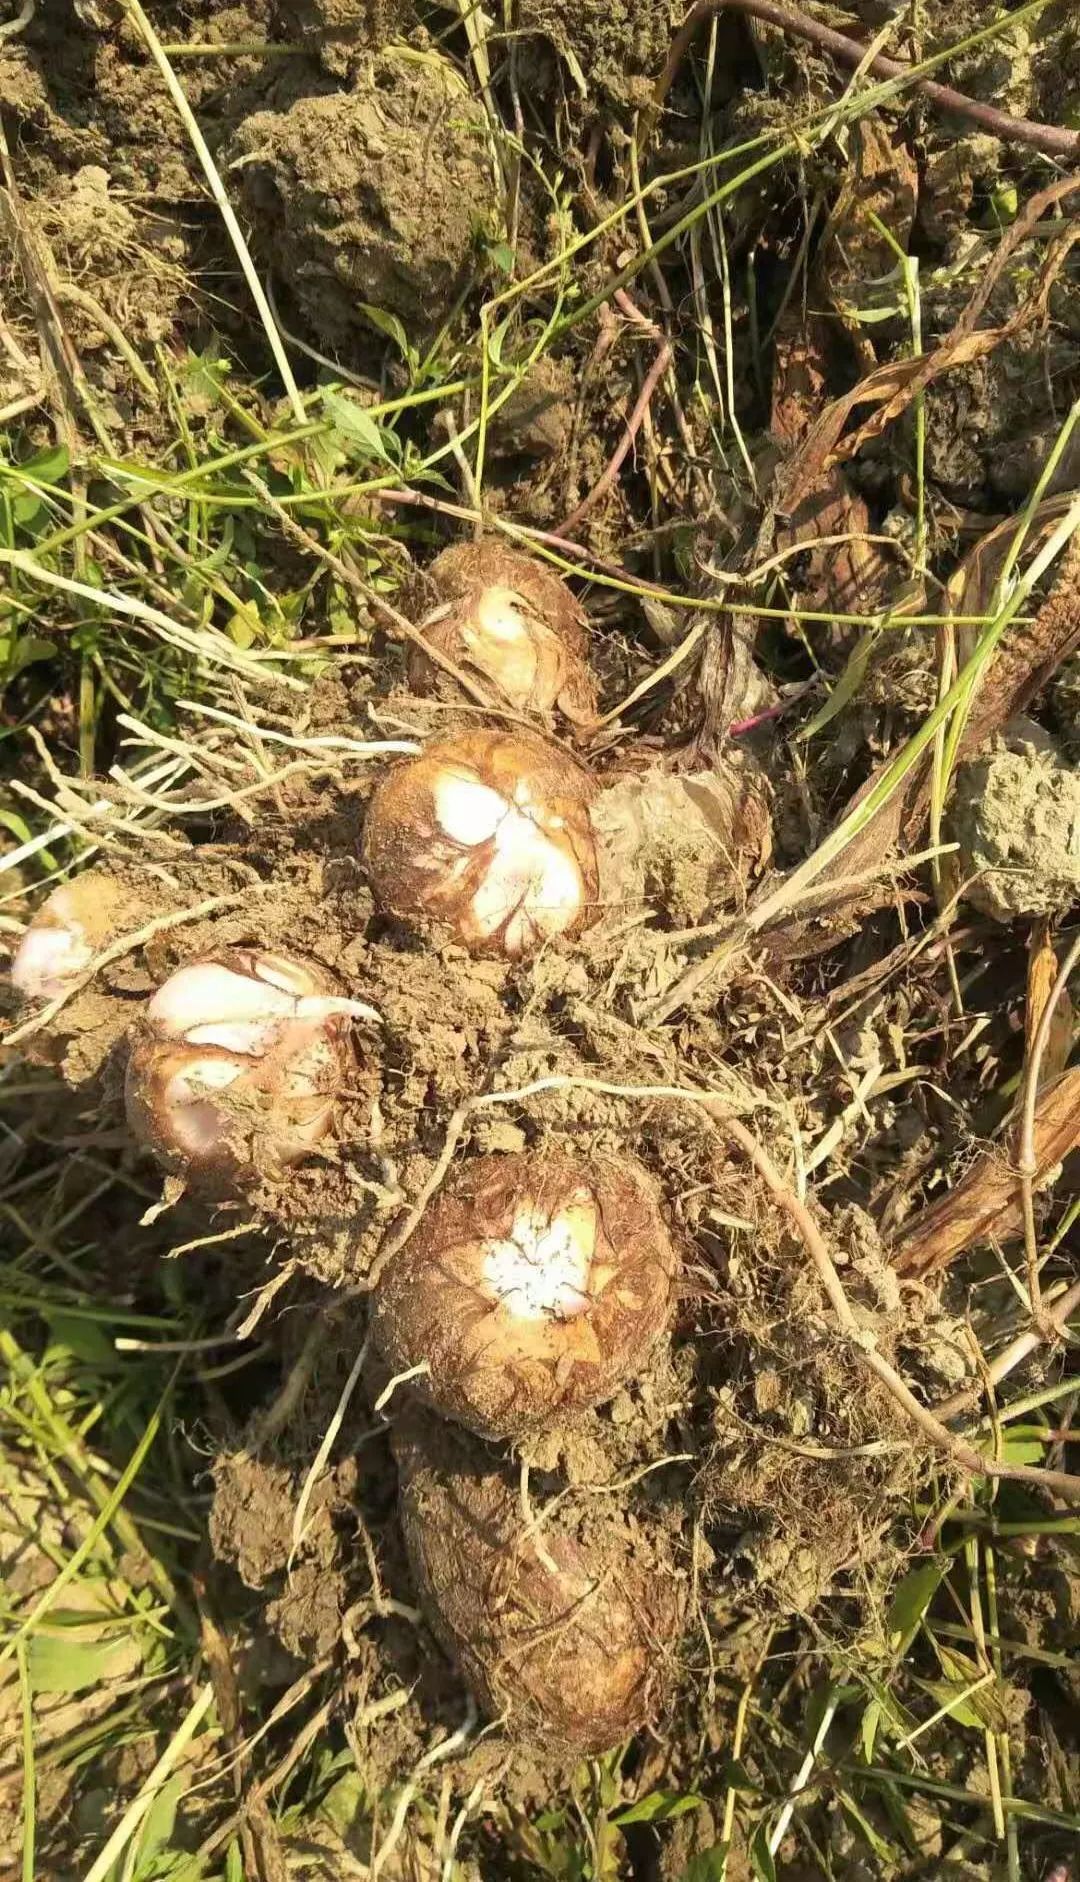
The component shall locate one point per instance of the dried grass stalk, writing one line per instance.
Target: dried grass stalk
(987, 1202)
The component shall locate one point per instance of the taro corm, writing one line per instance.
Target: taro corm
(532, 1289)
(238, 1063)
(511, 623)
(488, 833)
(565, 1626)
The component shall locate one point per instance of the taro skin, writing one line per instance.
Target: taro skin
(238, 1063)
(565, 1628)
(506, 619)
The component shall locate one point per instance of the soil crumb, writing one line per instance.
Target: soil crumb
(1017, 820)
(614, 48)
(374, 196)
(343, 32)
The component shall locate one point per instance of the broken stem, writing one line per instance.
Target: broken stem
(1028, 1162)
(1053, 140)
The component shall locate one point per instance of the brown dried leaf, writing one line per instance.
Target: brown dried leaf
(846, 577)
(883, 180)
(1021, 666)
(800, 376)
(1041, 980)
(987, 1201)
(892, 387)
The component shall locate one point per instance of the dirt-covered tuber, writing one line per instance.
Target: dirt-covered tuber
(76, 923)
(688, 842)
(531, 1289)
(488, 832)
(238, 1063)
(514, 624)
(565, 1626)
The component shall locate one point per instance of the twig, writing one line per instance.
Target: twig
(1053, 140)
(228, 214)
(125, 944)
(370, 596)
(633, 425)
(1055, 1323)
(326, 1445)
(1028, 1162)
(21, 21)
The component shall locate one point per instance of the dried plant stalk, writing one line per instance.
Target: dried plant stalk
(987, 1202)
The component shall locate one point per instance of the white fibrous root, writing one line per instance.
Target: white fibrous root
(489, 833)
(511, 623)
(531, 1290)
(76, 923)
(239, 1063)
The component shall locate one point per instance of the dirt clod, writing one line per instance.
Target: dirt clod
(373, 196)
(1017, 819)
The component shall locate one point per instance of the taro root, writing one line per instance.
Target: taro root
(238, 1064)
(565, 1628)
(489, 833)
(76, 923)
(1016, 818)
(531, 1289)
(512, 623)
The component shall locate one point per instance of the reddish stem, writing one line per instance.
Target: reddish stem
(633, 425)
(1049, 138)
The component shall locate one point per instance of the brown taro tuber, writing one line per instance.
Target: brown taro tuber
(532, 1288)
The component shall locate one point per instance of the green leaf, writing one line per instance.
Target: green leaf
(735, 1776)
(245, 626)
(502, 257)
(761, 1861)
(912, 1596)
(50, 466)
(158, 1824)
(950, 1696)
(883, 1850)
(1022, 1450)
(659, 1807)
(846, 686)
(389, 324)
(10, 820)
(62, 1662)
(574, 67)
(82, 1339)
(871, 1719)
(709, 1865)
(355, 427)
(28, 649)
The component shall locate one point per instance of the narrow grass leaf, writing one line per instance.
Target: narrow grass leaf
(912, 1597)
(659, 1807)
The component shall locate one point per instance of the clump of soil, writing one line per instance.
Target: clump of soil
(1016, 816)
(534, 421)
(616, 47)
(373, 195)
(342, 32)
(134, 261)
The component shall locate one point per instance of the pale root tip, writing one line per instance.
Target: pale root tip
(49, 960)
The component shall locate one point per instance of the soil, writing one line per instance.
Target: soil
(374, 197)
(1016, 818)
(747, 1462)
(609, 50)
